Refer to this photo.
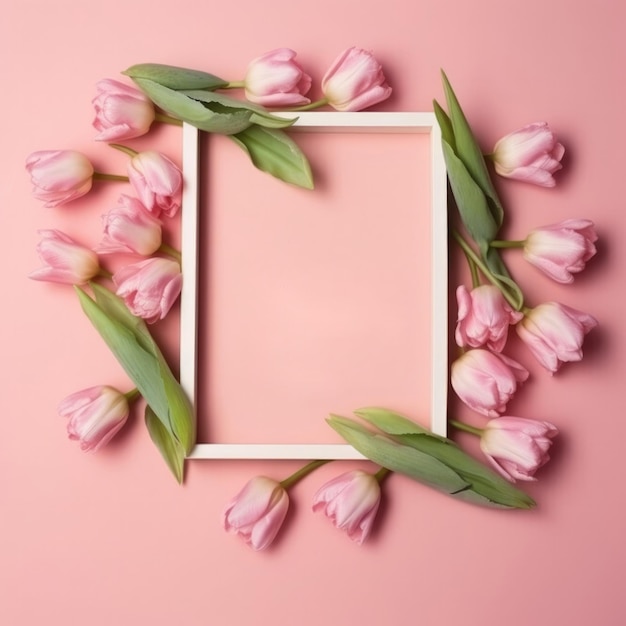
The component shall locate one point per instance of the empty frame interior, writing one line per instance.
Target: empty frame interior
(297, 303)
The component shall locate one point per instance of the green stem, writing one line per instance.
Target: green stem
(132, 395)
(381, 474)
(483, 268)
(467, 428)
(234, 84)
(301, 473)
(101, 176)
(167, 249)
(167, 119)
(516, 243)
(129, 151)
(312, 105)
(105, 273)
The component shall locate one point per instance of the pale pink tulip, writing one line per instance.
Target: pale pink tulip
(59, 176)
(66, 260)
(484, 317)
(129, 227)
(517, 447)
(531, 154)
(95, 415)
(554, 333)
(157, 181)
(150, 287)
(486, 381)
(355, 81)
(351, 502)
(257, 512)
(122, 112)
(561, 249)
(276, 79)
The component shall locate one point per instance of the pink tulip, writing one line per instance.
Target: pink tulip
(95, 415)
(149, 288)
(517, 447)
(484, 317)
(66, 260)
(157, 181)
(355, 81)
(350, 501)
(122, 112)
(554, 333)
(276, 79)
(486, 381)
(59, 176)
(561, 249)
(531, 154)
(257, 512)
(130, 228)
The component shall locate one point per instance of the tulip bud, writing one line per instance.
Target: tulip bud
(95, 415)
(531, 153)
(517, 447)
(351, 502)
(122, 112)
(276, 79)
(554, 333)
(59, 176)
(486, 381)
(66, 260)
(484, 317)
(561, 249)
(157, 181)
(355, 81)
(257, 512)
(130, 228)
(149, 288)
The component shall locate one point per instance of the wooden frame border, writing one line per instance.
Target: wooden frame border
(327, 122)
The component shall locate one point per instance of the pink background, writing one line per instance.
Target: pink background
(111, 539)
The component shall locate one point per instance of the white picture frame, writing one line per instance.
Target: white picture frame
(322, 122)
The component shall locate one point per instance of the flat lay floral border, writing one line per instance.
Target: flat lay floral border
(122, 304)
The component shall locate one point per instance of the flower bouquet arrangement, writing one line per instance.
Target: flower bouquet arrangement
(122, 304)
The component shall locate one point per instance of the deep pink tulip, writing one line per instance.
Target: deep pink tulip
(351, 502)
(355, 81)
(554, 333)
(484, 317)
(561, 249)
(66, 260)
(517, 447)
(150, 287)
(486, 381)
(59, 176)
(276, 79)
(531, 154)
(129, 227)
(95, 415)
(257, 512)
(157, 181)
(122, 112)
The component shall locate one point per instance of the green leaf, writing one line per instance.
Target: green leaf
(130, 341)
(469, 152)
(168, 446)
(470, 200)
(483, 480)
(175, 77)
(399, 458)
(274, 152)
(259, 115)
(439, 462)
(183, 107)
(140, 364)
(447, 134)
